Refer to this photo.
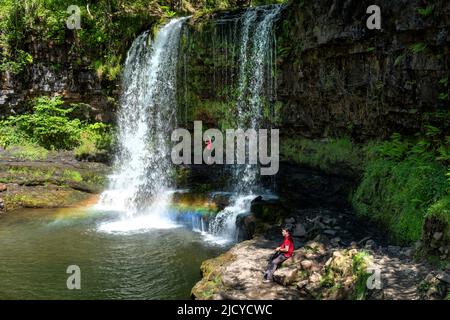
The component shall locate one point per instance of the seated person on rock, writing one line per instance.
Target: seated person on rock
(282, 253)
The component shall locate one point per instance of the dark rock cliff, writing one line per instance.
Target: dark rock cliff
(331, 75)
(56, 69)
(338, 77)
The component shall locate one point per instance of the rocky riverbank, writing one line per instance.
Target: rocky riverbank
(337, 257)
(59, 180)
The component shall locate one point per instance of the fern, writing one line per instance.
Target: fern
(417, 47)
(425, 12)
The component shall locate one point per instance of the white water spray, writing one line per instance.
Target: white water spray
(141, 183)
(255, 50)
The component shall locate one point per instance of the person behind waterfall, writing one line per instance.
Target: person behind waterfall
(282, 253)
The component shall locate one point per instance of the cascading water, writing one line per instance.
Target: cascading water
(140, 186)
(255, 53)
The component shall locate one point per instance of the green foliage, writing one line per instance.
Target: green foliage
(394, 149)
(399, 59)
(72, 175)
(444, 81)
(443, 96)
(93, 139)
(360, 265)
(328, 155)
(426, 11)
(417, 47)
(50, 126)
(441, 209)
(168, 11)
(401, 180)
(10, 135)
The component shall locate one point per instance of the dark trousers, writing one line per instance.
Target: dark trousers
(273, 265)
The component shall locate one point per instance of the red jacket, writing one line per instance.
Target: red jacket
(288, 241)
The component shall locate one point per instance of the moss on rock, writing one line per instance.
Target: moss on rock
(211, 282)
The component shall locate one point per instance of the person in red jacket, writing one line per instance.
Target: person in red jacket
(282, 253)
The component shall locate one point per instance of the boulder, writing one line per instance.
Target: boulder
(315, 278)
(3, 187)
(302, 284)
(285, 276)
(393, 249)
(443, 276)
(330, 232)
(306, 264)
(245, 227)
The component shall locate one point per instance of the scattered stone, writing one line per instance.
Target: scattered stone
(335, 241)
(353, 244)
(437, 235)
(393, 249)
(370, 244)
(2, 204)
(306, 264)
(408, 252)
(430, 277)
(330, 232)
(315, 277)
(310, 255)
(3, 187)
(328, 220)
(302, 284)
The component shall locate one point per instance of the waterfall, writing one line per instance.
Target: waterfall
(140, 185)
(255, 53)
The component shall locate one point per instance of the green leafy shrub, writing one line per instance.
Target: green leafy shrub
(10, 135)
(49, 125)
(401, 180)
(426, 11)
(94, 139)
(360, 264)
(398, 194)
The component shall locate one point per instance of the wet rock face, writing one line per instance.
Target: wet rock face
(55, 70)
(337, 77)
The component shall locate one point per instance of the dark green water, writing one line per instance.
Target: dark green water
(37, 246)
